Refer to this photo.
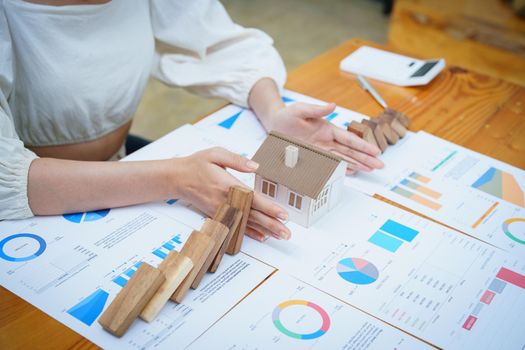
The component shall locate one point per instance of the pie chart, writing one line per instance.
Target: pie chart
(357, 271)
(77, 218)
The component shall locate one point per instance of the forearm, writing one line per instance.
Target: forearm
(265, 101)
(58, 186)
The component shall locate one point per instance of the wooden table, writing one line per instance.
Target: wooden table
(482, 35)
(470, 109)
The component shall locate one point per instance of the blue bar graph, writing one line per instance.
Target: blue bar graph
(160, 253)
(163, 251)
(391, 235)
(385, 241)
(168, 246)
(124, 277)
(129, 272)
(121, 281)
(399, 231)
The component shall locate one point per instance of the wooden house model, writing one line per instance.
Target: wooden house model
(302, 178)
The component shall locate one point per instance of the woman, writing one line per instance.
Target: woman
(72, 73)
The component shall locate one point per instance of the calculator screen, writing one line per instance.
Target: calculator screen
(424, 69)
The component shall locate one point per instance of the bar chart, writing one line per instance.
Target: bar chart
(124, 277)
(163, 251)
(497, 286)
(415, 188)
(391, 235)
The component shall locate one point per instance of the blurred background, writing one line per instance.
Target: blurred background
(481, 35)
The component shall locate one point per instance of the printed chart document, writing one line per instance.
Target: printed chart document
(437, 284)
(285, 313)
(72, 267)
(466, 190)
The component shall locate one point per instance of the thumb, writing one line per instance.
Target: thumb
(227, 159)
(309, 111)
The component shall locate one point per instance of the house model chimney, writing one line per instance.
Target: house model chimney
(291, 155)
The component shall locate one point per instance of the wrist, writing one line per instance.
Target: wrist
(172, 178)
(266, 102)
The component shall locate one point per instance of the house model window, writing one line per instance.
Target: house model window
(301, 177)
(322, 200)
(295, 200)
(269, 188)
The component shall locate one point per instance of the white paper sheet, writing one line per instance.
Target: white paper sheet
(456, 186)
(71, 267)
(428, 280)
(285, 313)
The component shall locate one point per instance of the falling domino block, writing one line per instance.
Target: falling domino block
(363, 131)
(231, 218)
(390, 135)
(391, 120)
(240, 198)
(403, 119)
(218, 232)
(378, 134)
(197, 248)
(175, 267)
(128, 304)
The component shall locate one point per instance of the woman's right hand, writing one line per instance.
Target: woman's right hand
(202, 180)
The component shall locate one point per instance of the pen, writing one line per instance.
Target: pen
(367, 87)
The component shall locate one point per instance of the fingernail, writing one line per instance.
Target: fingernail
(252, 165)
(265, 238)
(285, 235)
(283, 215)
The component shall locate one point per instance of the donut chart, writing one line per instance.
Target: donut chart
(276, 318)
(24, 241)
(512, 233)
(357, 271)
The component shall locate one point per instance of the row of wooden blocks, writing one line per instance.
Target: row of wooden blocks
(382, 131)
(150, 288)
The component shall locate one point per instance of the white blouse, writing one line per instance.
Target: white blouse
(71, 74)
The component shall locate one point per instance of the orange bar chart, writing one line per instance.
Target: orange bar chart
(421, 189)
(419, 177)
(416, 198)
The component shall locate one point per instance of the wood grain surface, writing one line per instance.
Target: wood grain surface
(482, 35)
(471, 109)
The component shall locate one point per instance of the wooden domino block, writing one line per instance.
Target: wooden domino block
(359, 129)
(218, 232)
(378, 133)
(390, 135)
(393, 122)
(197, 248)
(401, 117)
(240, 198)
(231, 218)
(363, 131)
(128, 304)
(175, 268)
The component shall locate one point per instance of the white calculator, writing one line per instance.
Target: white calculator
(390, 67)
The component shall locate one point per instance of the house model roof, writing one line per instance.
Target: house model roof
(308, 177)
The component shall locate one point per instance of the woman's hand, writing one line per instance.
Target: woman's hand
(201, 179)
(305, 121)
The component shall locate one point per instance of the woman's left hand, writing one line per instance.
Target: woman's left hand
(305, 121)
